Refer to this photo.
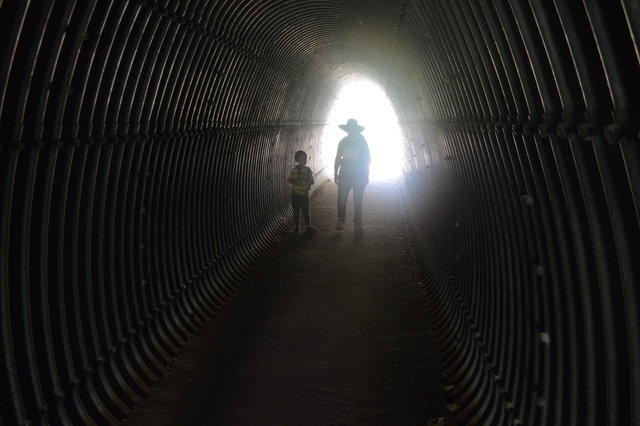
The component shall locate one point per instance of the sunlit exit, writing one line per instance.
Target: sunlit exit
(366, 102)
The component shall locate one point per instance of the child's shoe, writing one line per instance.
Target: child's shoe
(310, 230)
(296, 230)
(340, 225)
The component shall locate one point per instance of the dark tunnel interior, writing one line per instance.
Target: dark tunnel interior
(133, 133)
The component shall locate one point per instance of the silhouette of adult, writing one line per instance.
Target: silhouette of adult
(351, 172)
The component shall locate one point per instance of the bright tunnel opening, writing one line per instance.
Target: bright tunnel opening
(366, 102)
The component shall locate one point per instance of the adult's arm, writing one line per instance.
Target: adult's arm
(337, 163)
(367, 154)
(367, 157)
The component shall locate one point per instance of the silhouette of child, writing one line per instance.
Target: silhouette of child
(301, 177)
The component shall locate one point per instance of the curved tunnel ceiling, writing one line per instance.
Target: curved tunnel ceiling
(133, 132)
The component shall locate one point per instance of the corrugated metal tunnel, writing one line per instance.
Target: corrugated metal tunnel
(134, 133)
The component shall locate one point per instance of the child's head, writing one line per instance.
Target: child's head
(300, 157)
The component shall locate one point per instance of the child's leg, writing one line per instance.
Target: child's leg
(305, 210)
(295, 203)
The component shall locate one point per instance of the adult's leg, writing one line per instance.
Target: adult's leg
(358, 199)
(343, 194)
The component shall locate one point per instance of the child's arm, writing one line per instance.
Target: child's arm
(291, 179)
(311, 182)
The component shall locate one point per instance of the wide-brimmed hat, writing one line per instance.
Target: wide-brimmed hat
(352, 125)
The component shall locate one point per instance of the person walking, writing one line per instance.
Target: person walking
(351, 172)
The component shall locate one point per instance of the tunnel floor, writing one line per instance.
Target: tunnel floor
(330, 329)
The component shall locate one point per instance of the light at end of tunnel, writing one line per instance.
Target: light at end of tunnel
(367, 102)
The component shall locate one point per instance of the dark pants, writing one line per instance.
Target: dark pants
(346, 183)
(300, 202)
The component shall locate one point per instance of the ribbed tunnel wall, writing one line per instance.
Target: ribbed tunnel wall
(143, 157)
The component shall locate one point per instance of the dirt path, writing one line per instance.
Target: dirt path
(330, 329)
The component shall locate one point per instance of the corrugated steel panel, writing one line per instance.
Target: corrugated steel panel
(143, 156)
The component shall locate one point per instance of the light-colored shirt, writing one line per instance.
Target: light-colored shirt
(353, 157)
